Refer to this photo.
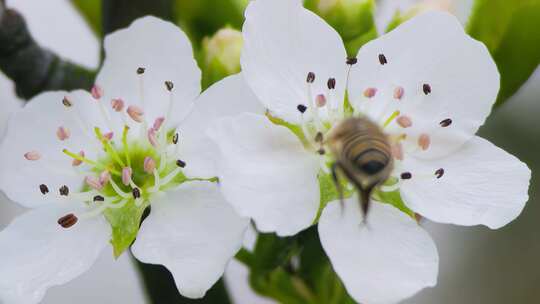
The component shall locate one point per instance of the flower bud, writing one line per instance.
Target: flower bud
(221, 54)
(149, 164)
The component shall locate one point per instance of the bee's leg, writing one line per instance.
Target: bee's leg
(339, 189)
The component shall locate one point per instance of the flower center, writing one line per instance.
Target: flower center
(131, 169)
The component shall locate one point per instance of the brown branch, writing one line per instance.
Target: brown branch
(35, 69)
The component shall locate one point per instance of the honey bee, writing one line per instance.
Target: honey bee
(363, 155)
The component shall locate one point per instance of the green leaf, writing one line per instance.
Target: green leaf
(90, 10)
(125, 224)
(393, 198)
(328, 191)
(510, 31)
(269, 264)
(352, 19)
(317, 272)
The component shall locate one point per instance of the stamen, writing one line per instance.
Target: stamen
(68, 221)
(424, 141)
(398, 92)
(96, 91)
(88, 161)
(397, 151)
(64, 190)
(321, 151)
(301, 108)
(32, 155)
(167, 179)
(77, 162)
(152, 137)
(108, 135)
(98, 198)
(169, 85)
(118, 190)
(426, 88)
(319, 137)
(108, 147)
(157, 184)
(44, 189)
(136, 193)
(149, 165)
(391, 118)
(140, 70)
(370, 92)
(157, 123)
(117, 104)
(180, 163)
(126, 175)
(320, 100)
(352, 60)
(445, 123)
(331, 83)
(63, 133)
(439, 173)
(382, 59)
(175, 138)
(406, 175)
(104, 178)
(404, 121)
(66, 102)
(135, 113)
(93, 182)
(125, 145)
(310, 77)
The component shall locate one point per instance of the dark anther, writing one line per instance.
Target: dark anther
(426, 88)
(302, 108)
(175, 138)
(99, 198)
(66, 102)
(319, 137)
(352, 60)
(321, 151)
(180, 163)
(64, 190)
(310, 77)
(68, 220)
(439, 173)
(44, 189)
(406, 175)
(169, 85)
(382, 59)
(331, 83)
(445, 123)
(140, 71)
(136, 193)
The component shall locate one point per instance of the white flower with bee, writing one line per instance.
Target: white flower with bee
(426, 86)
(88, 165)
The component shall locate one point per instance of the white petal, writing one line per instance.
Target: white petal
(389, 260)
(166, 54)
(228, 97)
(283, 42)
(266, 173)
(34, 128)
(37, 253)
(194, 233)
(429, 49)
(482, 184)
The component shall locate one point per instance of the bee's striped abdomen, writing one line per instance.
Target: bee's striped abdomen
(366, 149)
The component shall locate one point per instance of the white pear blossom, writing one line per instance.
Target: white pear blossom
(427, 84)
(89, 164)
